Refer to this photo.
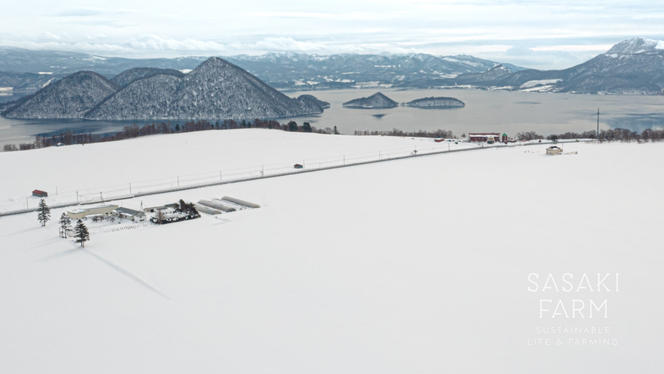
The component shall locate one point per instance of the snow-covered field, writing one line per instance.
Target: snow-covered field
(81, 172)
(421, 265)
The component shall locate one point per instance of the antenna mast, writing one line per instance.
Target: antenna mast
(597, 133)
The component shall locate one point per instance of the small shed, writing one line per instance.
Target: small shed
(39, 193)
(554, 150)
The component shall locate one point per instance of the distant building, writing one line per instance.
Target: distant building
(39, 193)
(554, 150)
(482, 137)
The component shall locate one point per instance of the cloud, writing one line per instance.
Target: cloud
(525, 32)
(91, 12)
(573, 48)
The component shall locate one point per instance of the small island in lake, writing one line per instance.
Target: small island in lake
(436, 103)
(313, 99)
(375, 101)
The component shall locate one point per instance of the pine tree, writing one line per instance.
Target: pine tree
(65, 225)
(44, 214)
(81, 233)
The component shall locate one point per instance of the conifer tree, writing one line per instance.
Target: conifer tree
(65, 225)
(81, 233)
(44, 214)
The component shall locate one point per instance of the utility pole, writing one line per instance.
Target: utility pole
(597, 133)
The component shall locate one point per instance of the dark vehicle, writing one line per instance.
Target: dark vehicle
(298, 166)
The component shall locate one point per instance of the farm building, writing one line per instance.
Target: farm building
(134, 215)
(484, 136)
(95, 211)
(39, 193)
(154, 209)
(217, 204)
(554, 150)
(243, 203)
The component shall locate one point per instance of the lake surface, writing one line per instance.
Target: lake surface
(499, 111)
(24, 131)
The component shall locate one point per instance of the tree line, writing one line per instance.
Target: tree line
(417, 134)
(611, 135)
(135, 131)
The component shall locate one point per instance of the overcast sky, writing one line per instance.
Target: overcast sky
(541, 34)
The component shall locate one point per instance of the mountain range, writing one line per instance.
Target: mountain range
(631, 66)
(634, 66)
(216, 89)
(27, 71)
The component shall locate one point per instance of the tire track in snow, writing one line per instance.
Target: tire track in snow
(127, 273)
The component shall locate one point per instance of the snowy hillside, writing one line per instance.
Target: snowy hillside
(418, 265)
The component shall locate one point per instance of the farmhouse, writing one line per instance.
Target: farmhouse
(39, 193)
(95, 211)
(484, 137)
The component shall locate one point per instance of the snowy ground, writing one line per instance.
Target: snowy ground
(419, 265)
(80, 173)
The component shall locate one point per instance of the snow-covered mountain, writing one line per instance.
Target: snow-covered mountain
(216, 89)
(131, 75)
(280, 70)
(631, 66)
(304, 71)
(70, 97)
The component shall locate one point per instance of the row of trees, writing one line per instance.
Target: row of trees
(80, 231)
(610, 135)
(419, 133)
(134, 131)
